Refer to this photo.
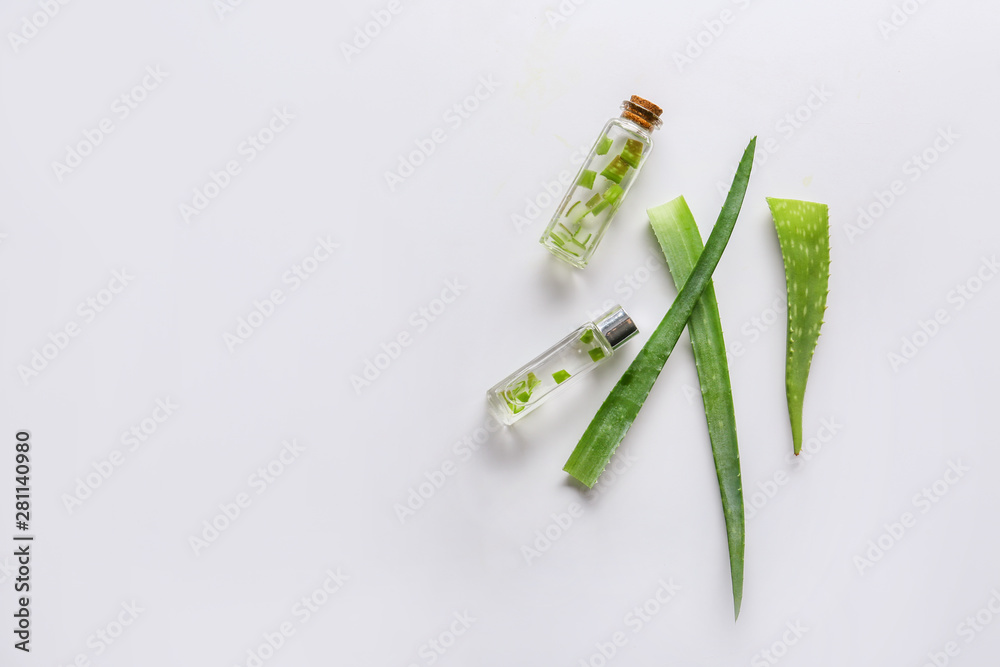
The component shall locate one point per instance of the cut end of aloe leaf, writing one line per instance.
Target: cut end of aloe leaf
(604, 145)
(632, 153)
(616, 169)
(803, 229)
(576, 471)
(613, 194)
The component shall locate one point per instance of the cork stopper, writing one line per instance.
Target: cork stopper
(642, 112)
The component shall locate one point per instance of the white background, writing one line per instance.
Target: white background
(887, 98)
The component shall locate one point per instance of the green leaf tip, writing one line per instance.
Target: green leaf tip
(619, 410)
(803, 230)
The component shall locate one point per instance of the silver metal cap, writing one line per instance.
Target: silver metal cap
(617, 326)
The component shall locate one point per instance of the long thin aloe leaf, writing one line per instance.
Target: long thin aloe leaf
(680, 241)
(615, 416)
(804, 233)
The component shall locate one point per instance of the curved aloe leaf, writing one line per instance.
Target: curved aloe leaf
(680, 241)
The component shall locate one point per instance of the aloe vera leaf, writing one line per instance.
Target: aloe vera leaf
(632, 153)
(804, 234)
(533, 381)
(603, 145)
(613, 193)
(680, 241)
(610, 196)
(616, 169)
(619, 410)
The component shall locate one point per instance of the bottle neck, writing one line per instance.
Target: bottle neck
(616, 326)
(632, 126)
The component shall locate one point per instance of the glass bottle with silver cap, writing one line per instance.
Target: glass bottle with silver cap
(575, 355)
